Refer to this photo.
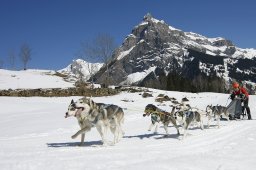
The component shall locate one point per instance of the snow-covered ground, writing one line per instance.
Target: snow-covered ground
(35, 135)
(31, 79)
(35, 78)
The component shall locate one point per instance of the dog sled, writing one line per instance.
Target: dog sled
(235, 109)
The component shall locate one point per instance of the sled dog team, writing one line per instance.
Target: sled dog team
(111, 117)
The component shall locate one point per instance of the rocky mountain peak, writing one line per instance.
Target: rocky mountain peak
(222, 42)
(80, 68)
(147, 17)
(156, 49)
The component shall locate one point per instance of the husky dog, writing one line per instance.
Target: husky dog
(158, 115)
(188, 117)
(183, 107)
(216, 112)
(99, 115)
(79, 113)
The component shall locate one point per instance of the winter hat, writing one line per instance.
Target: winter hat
(235, 85)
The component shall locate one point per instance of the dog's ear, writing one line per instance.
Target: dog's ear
(72, 101)
(91, 102)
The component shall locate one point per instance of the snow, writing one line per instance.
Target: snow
(80, 67)
(141, 24)
(195, 36)
(135, 77)
(212, 40)
(156, 20)
(35, 135)
(226, 73)
(124, 53)
(172, 28)
(31, 79)
(213, 48)
(210, 53)
(248, 52)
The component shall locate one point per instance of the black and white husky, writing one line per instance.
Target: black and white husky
(102, 116)
(189, 117)
(215, 112)
(158, 115)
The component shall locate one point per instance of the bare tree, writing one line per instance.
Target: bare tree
(12, 58)
(101, 48)
(89, 66)
(25, 55)
(91, 69)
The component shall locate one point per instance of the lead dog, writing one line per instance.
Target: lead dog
(158, 115)
(102, 116)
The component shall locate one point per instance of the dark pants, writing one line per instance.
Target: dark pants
(246, 101)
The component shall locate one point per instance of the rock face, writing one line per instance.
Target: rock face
(154, 50)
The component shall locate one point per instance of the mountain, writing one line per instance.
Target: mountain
(155, 51)
(35, 78)
(80, 69)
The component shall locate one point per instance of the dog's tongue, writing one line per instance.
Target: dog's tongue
(78, 112)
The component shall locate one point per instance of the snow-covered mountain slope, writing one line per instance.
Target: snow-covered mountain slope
(80, 69)
(155, 44)
(31, 79)
(35, 135)
(35, 78)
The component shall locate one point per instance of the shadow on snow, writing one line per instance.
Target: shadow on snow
(155, 135)
(74, 144)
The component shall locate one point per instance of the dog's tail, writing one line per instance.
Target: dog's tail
(121, 112)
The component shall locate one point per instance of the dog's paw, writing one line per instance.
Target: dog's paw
(181, 138)
(73, 137)
(105, 144)
(81, 144)
(166, 135)
(111, 143)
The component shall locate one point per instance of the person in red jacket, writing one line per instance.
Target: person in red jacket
(243, 94)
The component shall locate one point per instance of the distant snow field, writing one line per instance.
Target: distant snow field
(35, 78)
(31, 79)
(35, 135)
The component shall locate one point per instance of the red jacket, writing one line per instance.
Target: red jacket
(241, 90)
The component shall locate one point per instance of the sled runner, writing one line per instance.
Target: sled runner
(244, 112)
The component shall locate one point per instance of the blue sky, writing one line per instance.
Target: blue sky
(54, 29)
